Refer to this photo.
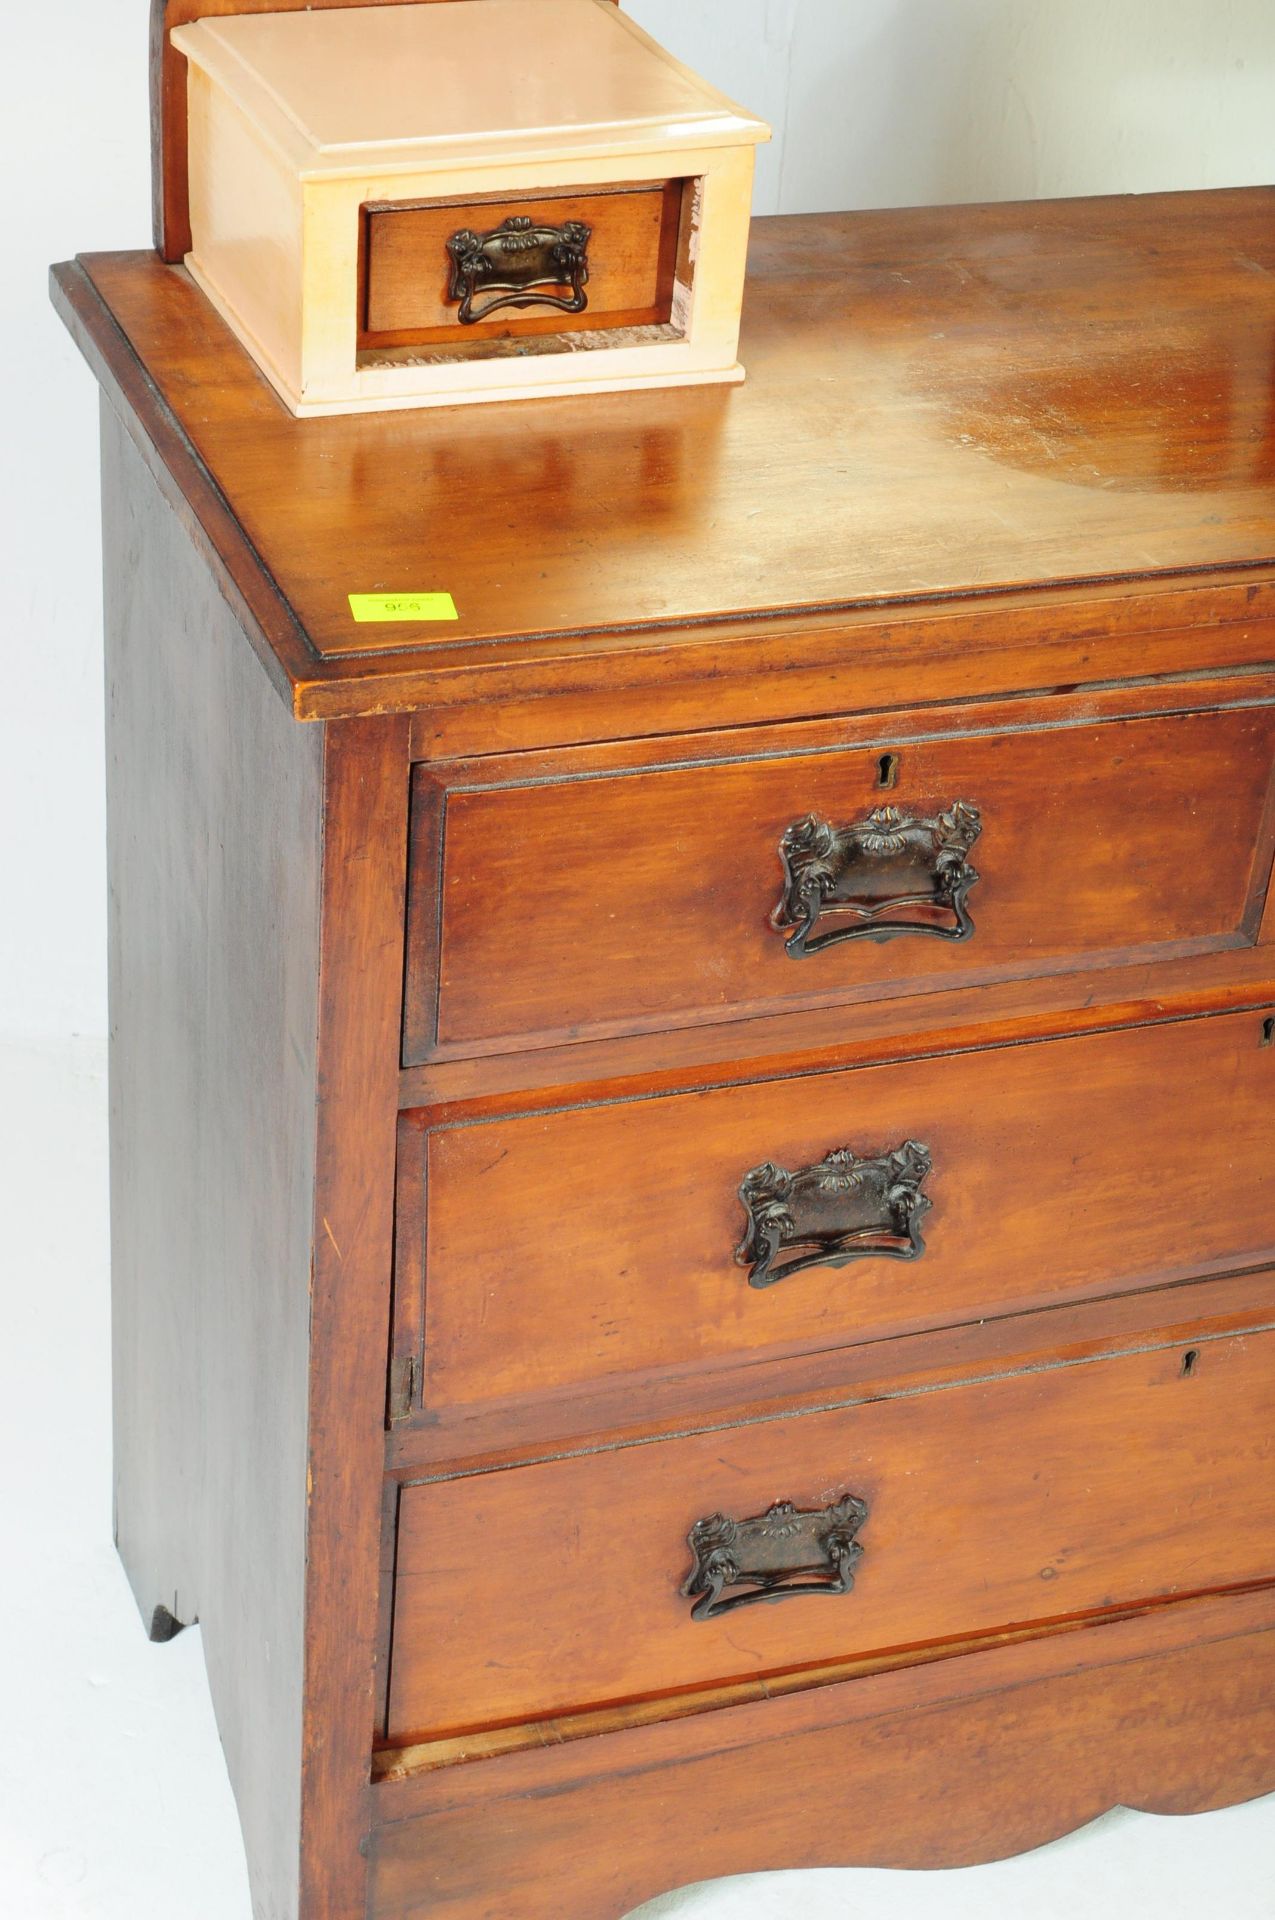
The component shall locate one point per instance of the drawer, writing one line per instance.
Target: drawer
(650, 898)
(972, 1509)
(427, 264)
(579, 1246)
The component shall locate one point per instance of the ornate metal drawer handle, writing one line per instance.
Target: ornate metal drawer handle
(780, 1553)
(513, 259)
(876, 868)
(841, 1210)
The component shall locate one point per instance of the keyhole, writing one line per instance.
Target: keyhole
(1268, 1031)
(887, 769)
(1190, 1360)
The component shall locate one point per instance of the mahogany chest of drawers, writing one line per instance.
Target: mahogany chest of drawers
(693, 1234)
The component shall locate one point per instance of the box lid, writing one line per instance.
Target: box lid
(418, 87)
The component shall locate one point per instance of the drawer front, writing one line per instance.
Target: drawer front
(657, 898)
(971, 1509)
(576, 1246)
(428, 270)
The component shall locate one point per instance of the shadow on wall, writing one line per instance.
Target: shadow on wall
(908, 102)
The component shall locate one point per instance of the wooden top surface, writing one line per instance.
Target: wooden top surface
(941, 404)
(417, 84)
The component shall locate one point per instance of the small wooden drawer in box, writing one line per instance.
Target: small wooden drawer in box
(414, 205)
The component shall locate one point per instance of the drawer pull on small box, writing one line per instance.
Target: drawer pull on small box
(781, 1553)
(843, 1209)
(514, 259)
(890, 863)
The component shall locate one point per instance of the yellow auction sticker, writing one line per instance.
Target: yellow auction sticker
(403, 606)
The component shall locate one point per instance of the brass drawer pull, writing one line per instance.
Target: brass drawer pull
(885, 865)
(515, 258)
(843, 1209)
(778, 1554)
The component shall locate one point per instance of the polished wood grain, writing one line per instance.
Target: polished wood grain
(486, 1435)
(643, 899)
(892, 1028)
(168, 103)
(632, 254)
(875, 409)
(493, 697)
(403, 1768)
(360, 974)
(626, 1216)
(241, 1267)
(991, 1504)
(1025, 645)
(399, 1765)
(941, 1766)
(213, 811)
(946, 1672)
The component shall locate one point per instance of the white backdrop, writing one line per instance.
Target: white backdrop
(114, 1802)
(874, 103)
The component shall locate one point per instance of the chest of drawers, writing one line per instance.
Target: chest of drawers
(693, 1238)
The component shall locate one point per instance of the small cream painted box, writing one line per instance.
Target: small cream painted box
(331, 152)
